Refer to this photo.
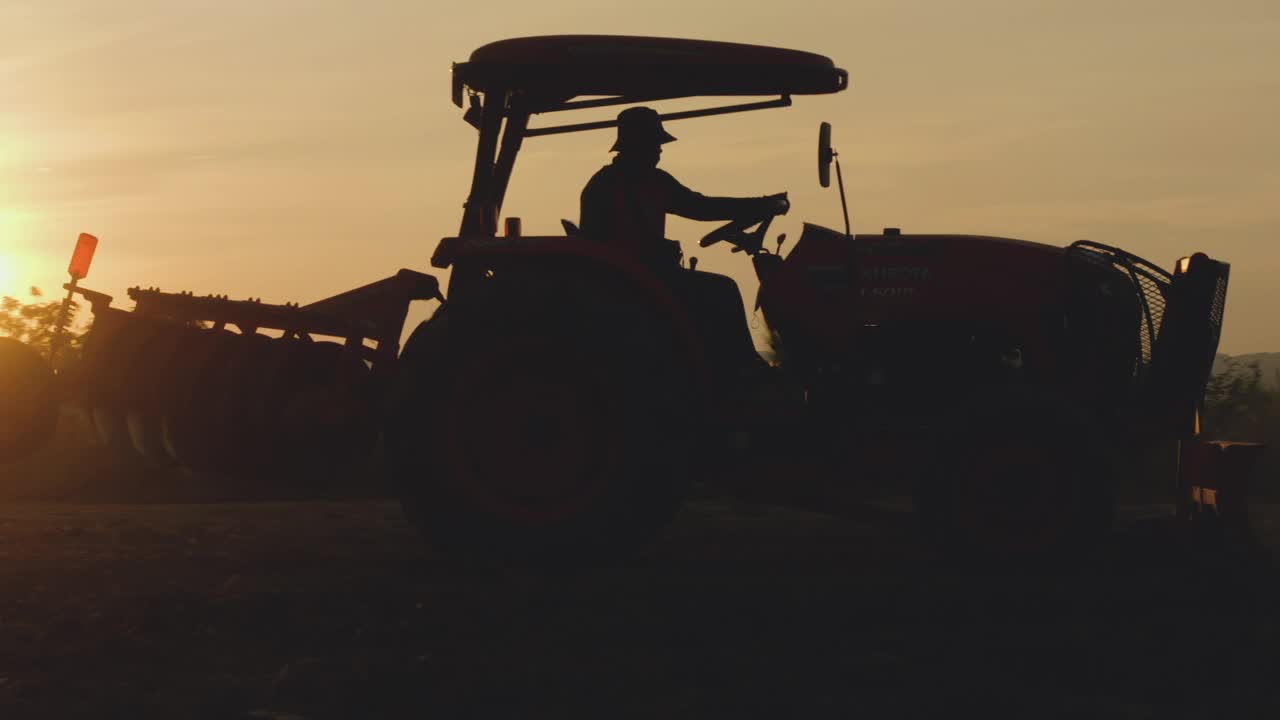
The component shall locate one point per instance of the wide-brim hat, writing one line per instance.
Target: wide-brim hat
(640, 127)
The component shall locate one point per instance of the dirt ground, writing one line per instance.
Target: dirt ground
(335, 609)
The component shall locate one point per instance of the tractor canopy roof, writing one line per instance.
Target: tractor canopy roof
(557, 68)
(506, 83)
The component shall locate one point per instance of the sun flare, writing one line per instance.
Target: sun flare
(12, 282)
(7, 275)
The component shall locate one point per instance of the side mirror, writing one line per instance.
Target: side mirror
(825, 154)
(825, 157)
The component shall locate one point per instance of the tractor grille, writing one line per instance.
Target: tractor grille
(1219, 303)
(1217, 310)
(1150, 283)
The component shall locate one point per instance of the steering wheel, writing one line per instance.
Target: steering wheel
(738, 234)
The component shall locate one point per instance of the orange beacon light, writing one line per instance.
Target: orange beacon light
(82, 258)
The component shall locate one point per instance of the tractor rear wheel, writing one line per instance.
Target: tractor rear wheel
(544, 423)
(1019, 474)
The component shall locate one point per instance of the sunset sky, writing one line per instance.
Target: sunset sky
(291, 149)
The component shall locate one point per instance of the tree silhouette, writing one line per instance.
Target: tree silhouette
(1238, 406)
(35, 323)
(1237, 402)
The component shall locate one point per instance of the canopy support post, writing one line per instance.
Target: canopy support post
(477, 215)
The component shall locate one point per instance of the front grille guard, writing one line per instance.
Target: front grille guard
(1218, 310)
(1151, 285)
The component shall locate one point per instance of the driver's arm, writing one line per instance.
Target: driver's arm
(696, 206)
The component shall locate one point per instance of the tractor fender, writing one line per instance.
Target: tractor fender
(472, 257)
(421, 355)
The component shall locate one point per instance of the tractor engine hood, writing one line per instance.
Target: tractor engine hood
(836, 286)
(892, 275)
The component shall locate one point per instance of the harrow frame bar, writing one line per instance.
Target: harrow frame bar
(375, 312)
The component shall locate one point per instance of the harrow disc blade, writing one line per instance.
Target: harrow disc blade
(241, 411)
(196, 432)
(28, 401)
(109, 358)
(146, 435)
(112, 429)
(319, 416)
(100, 346)
(112, 347)
(148, 387)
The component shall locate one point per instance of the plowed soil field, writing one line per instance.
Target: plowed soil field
(335, 609)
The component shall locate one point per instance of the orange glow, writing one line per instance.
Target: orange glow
(205, 171)
(12, 264)
(11, 276)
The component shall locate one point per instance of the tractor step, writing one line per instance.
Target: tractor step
(1213, 489)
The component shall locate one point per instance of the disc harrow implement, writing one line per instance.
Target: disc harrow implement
(272, 393)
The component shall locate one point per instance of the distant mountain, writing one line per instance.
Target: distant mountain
(1268, 363)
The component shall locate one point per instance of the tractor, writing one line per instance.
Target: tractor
(561, 403)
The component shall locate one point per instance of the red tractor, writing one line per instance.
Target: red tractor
(562, 399)
(559, 404)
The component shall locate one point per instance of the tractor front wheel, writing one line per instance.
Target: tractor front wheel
(1019, 474)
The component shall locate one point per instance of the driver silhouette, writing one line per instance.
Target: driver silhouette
(627, 201)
